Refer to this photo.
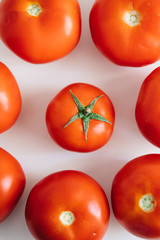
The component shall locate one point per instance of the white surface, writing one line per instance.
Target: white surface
(29, 142)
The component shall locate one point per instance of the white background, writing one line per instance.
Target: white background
(29, 142)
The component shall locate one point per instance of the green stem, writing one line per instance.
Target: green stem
(85, 113)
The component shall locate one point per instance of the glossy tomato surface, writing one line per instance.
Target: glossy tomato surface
(63, 108)
(10, 99)
(147, 110)
(40, 31)
(127, 32)
(136, 196)
(67, 205)
(12, 183)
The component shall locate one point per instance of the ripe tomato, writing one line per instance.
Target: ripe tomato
(136, 196)
(12, 183)
(40, 31)
(67, 205)
(147, 110)
(71, 121)
(10, 99)
(127, 32)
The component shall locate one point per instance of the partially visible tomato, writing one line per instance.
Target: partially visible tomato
(40, 31)
(127, 32)
(10, 99)
(67, 205)
(80, 118)
(136, 196)
(147, 110)
(12, 183)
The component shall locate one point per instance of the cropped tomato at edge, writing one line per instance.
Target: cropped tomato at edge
(10, 99)
(67, 205)
(40, 31)
(136, 196)
(147, 111)
(127, 32)
(12, 183)
(80, 118)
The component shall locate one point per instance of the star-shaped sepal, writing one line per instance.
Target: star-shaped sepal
(86, 114)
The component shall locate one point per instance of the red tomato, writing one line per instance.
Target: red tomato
(136, 196)
(10, 99)
(67, 205)
(12, 183)
(71, 121)
(127, 32)
(40, 31)
(147, 110)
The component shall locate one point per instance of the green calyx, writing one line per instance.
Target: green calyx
(86, 114)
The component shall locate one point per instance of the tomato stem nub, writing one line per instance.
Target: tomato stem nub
(132, 18)
(85, 113)
(147, 203)
(67, 218)
(34, 9)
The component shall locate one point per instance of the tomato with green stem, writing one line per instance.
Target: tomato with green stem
(80, 118)
(127, 32)
(40, 31)
(67, 205)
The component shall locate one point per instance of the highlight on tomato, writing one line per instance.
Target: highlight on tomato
(67, 205)
(128, 32)
(147, 109)
(10, 99)
(80, 118)
(136, 196)
(40, 31)
(12, 183)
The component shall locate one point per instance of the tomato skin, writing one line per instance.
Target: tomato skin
(51, 35)
(137, 178)
(12, 183)
(147, 111)
(10, 99)
(67, 190)
(123, 44)
(62, 108)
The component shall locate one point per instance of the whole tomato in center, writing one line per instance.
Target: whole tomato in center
(80, 118)
(40, 31)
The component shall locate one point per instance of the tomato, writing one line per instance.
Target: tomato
(147, 109)
(10, 99)
(136, 196)
(72, 123)
(67, 205)
(40, 31)
(12, 183)
(127, 32)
